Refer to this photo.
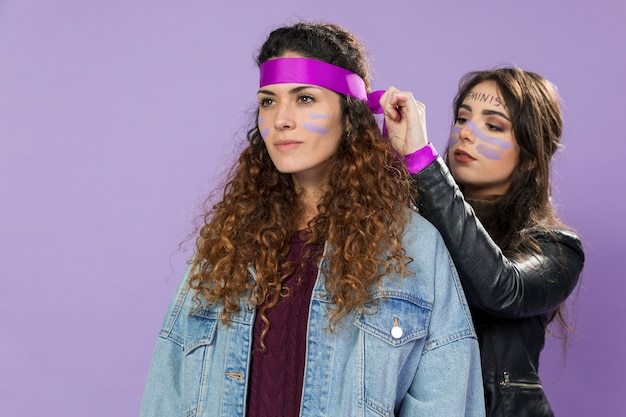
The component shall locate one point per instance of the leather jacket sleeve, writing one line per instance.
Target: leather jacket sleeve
(527, 286)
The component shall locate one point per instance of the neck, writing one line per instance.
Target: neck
(308, 202)
(484, 193)
(310, 191)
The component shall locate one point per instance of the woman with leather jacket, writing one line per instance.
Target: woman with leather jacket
(489, 197)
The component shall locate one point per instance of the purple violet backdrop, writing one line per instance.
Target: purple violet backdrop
(118, 117)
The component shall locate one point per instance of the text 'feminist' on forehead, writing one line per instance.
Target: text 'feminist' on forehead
(484, 98)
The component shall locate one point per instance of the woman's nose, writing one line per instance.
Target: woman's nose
(284, 117)
(466, 133)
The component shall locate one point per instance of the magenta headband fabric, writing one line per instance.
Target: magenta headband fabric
(321, 74)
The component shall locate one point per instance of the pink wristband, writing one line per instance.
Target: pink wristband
(421, 158)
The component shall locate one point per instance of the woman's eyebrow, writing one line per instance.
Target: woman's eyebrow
(497, 113)
(294, 90)
(302, 87)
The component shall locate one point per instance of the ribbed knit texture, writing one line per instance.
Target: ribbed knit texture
(276, 375)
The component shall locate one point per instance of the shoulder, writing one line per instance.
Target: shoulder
(185, 304)
(416, 223)
(566, 242)
(420, 235)
(426, 248)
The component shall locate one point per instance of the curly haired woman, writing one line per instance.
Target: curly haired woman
(315, 290)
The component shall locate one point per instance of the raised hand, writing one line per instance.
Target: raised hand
(405, 119)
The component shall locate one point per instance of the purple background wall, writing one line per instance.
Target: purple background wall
(117, 116)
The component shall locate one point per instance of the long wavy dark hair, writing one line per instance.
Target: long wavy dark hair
(361, 216)
(533, 104)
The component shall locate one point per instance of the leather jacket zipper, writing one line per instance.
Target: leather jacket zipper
(506, 383)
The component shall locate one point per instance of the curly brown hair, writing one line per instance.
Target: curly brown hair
(245, 238)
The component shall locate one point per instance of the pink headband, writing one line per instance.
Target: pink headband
(322, 74)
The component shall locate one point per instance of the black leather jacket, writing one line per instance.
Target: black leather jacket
(510, 299)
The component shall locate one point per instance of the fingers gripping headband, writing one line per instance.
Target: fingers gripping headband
(319, 73)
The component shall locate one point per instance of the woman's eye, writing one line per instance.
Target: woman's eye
(460, 120)
(494, 128)
(305, 99)
(264, 102)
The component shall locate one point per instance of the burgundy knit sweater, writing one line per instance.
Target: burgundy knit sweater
(276, 374)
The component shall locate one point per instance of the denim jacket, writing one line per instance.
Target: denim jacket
(359, 368)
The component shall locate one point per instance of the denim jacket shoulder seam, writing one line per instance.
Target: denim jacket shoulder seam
(173, 315)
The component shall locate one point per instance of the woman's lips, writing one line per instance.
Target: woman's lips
(286, 145)
(462, 156)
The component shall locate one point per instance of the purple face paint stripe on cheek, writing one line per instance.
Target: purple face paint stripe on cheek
(488, 152)
(489, 139)
(454, 137)
(261, 119)
(314, 128)
(318, 116)
(264, 132)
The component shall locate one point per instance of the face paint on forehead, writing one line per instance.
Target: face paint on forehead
(484, 98)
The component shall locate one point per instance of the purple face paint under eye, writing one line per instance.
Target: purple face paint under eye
(486, 151)
(318, 116)
(489, 153)
(488, 139)
(314, 128)
(454, 136)
(263, 131)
